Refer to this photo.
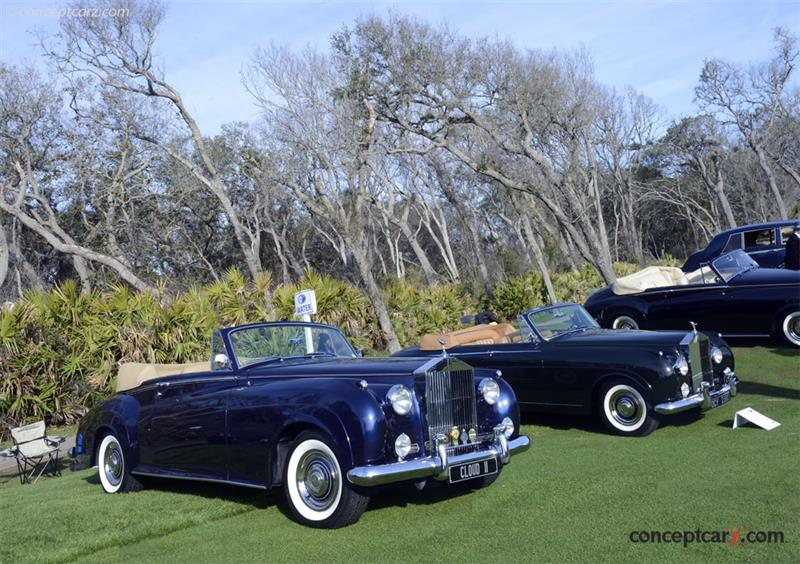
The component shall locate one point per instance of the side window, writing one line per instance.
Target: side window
(759, 240)
(734, 242)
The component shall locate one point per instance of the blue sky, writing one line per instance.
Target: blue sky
(656, 47)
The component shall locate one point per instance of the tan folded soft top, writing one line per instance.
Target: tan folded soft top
(134, 374)
(485, 334)
(661, 276)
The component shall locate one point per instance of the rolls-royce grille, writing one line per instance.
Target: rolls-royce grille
(450, 402)
(700, 360)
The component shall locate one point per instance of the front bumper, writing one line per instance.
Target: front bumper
(436, 466)
(702, 399)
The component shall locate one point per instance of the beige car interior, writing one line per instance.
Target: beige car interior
(661, 276)
(485, 334)
(134, 374)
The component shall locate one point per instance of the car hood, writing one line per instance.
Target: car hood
(359, 367)
(621, 338)
(767, 276)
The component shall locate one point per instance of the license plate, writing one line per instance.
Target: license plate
(472, 470)
(717, 401)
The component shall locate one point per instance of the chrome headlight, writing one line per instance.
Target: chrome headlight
(682, 365)
(716, 355)
(490, 390)
(508, 427)
(400, 398)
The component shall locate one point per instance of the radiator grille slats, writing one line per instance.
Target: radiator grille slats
(450, 400)
(700, 360)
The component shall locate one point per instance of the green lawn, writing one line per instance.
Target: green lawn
(574, 496)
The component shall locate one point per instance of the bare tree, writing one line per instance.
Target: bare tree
(328, 135)
(119, 52)
(751, 100)
(522, 120)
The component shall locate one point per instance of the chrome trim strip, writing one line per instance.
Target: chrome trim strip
(193, 479)
(434, 466)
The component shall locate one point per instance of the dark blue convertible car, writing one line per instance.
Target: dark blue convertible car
(764, 242)
(732, 296)
(293, 405)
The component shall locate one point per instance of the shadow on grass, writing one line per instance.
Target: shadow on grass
(758, 389)
(258, 499)
(592, 424)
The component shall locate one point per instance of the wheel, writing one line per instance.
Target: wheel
(114, 474)
(625, 411)
(624, 322)
(791, 328)
(317, 492)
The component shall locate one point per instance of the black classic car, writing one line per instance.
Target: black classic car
(732, 296)
(293, 405)
(559, 360)
(764, 242)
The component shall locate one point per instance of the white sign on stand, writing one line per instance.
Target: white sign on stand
(305, 305)
(750, 415)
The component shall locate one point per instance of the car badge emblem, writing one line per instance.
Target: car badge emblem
(464, 437)
(473, 435)
(694, 326)
(454, 433)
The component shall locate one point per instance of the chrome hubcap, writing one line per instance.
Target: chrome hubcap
(112, 464)
(625, 322)
(317, 480)
(625, 407)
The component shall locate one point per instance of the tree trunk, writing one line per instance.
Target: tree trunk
(539, 257)
(376, 297)
(419, 252)
(773, 186)
(3, 255)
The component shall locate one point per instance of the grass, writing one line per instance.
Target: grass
(574, 496)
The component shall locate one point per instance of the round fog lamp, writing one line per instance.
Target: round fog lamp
(400, 398)
(490, 390)
(402, 446)
(682, 365)
(508, 427)
(716, 355)
(684, 389)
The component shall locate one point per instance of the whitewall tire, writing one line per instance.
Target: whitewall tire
(316, 488)
(625, 411)
(791, 328)
(113, 469)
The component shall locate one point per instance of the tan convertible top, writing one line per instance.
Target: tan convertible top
(661, 276)
(485, 334)
(134, 374)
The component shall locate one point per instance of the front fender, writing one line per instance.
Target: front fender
(117, 415)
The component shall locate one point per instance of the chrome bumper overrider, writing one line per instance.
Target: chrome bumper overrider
(701, 399)
(435, 466)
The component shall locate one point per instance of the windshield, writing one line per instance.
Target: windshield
(559, 320)
(733, 264)
(260, 343)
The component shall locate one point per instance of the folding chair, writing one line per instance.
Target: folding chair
(34, 450)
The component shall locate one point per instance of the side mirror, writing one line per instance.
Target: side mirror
(360, 351)
(221, 362)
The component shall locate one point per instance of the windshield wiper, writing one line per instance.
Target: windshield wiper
(318, 354)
